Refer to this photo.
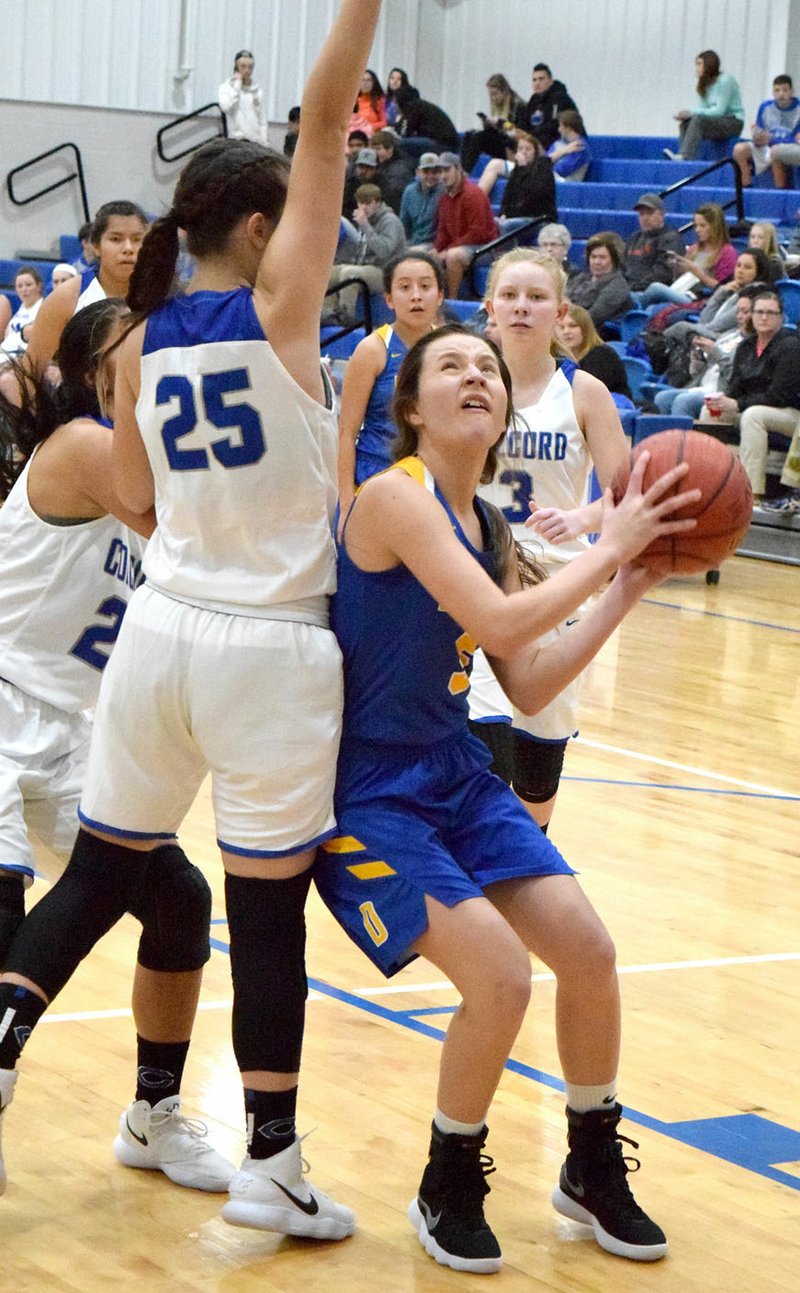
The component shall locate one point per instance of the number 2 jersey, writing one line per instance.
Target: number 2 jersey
(243, 462)
(406, 662)
(63, 592)
(545, 457)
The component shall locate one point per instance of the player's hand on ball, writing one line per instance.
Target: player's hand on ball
(644, 515)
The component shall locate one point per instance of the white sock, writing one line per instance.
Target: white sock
(449, 1126)
(584, 1098)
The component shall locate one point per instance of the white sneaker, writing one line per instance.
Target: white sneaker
(270, 1194)
(161, 1139)
(8, 1080)
(671, 155)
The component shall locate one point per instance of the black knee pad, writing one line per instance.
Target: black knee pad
(174, 907)
(537, 767)
(499, 742)
(12, 909)
(100, 884)
(267, 929)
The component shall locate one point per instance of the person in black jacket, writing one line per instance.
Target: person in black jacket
(395, 171)
(423, 126)
(764, 386)
(539, 117)
(531, 187)
(578, 333)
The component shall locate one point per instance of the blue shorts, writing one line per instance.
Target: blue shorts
(416, 821)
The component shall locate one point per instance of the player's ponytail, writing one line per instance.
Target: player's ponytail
(154, 271)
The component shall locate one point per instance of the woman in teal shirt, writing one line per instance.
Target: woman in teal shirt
(718, 113)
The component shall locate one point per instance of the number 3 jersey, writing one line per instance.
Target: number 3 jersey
(545, 457)
(243, 462)
(63, 592)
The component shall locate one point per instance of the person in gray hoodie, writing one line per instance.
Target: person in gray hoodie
(373, 238)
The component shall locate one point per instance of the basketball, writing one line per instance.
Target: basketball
(723, 511)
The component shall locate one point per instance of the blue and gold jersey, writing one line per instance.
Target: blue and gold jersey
(378, 429)
(406, 662)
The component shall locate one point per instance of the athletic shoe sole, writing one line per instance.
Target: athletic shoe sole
(576, 1212)
(285, 1221)
(477, 1265)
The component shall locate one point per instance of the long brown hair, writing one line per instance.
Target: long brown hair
(589, 334)
(710, 72)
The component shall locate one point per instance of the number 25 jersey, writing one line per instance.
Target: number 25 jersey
(243, 461)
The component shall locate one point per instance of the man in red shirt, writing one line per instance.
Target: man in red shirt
(465, 222)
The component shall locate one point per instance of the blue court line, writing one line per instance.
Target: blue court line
(692, 790)
(746, 1140)
(719, 615)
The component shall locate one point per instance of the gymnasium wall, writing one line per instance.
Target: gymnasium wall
(108, 73)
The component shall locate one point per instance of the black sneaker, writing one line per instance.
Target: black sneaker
(447, 1214)
(594, 1190)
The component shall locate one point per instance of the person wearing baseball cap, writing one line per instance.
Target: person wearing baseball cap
(419, 205)
(647, 252)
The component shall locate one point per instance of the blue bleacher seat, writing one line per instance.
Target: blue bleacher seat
(789, 289)
(632, 323)
(344, 347)
(69, 246)
(636, 371)
(462, 310)
(650, 423)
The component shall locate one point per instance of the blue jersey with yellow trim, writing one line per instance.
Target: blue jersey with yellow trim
(406, 662)
(378, 429)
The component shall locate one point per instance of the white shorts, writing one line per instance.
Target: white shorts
(558, 721)
(43, 753)
(761, 157)
(256, 701)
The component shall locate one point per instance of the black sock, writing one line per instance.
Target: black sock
(159, 1069)
(12, 909)
(20, 1011)
(270, 1121)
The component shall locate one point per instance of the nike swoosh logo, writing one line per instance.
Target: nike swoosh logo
(570, 623)
(431, 1222)
(577, 1190)
(311, 1208)
(141, 1139)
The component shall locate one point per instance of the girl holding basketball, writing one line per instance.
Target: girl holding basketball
(226, 662)
(564, 422)
(414, 287)
(435, 856)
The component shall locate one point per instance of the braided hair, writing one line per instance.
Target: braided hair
(223, 181)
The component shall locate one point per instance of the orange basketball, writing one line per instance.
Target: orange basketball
(723, 511)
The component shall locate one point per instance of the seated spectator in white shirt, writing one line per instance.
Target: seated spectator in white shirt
(776, 137)
(29, 287)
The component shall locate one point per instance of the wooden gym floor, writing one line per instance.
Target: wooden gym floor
(680, 807)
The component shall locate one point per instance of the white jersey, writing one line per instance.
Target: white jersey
(63, 592)
(243, 461)
(90, 291)
(545, 457)
(12, 346)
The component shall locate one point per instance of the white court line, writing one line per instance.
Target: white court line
(390, 990)
(684, 767)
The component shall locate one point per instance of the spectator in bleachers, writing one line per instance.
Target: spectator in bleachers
(602, 289)
(788, 500)
(531, 189)
(87, 258)
(62, 273)
(369, 111)
(361, 169)
(718, 314)
(395, 172)
(29, 287)
(763, 236)
(420, 204)
(423, 126)
(539, 116)
(356, 142)
(556, 240)
(496, 135)
(709, 260)
(117, 235)
(570, 153)
(764, 386)
(717, 114)
(647, 250)
(242, 101)
(776, 137)
(6, 313)
(373, 238)
(708, 364)
(292, 132)
(465, 222)
(398, 80)
(577, 332)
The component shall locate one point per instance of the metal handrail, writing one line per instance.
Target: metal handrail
(738, 198)
(76, 175)
(180, 121)
(490, 248)
(364, 294)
